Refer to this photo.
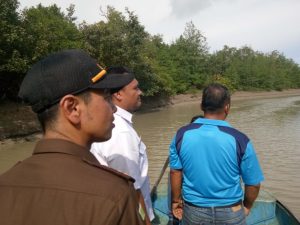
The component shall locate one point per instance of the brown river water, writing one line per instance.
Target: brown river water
(273, 125)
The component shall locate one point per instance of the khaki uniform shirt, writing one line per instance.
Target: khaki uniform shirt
(63, 184)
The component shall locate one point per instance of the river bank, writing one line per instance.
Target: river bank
(18, 123)
(239, 95)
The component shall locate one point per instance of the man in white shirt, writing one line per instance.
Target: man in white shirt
(125, 151)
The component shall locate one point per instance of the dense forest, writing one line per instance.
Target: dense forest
(163, 69)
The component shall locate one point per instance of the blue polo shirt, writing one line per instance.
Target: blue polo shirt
(214, 157)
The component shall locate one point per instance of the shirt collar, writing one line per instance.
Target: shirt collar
(64, 147)
(124, 114)
(212, 122)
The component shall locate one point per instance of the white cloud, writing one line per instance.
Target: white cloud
(264, 25)
(185, 8)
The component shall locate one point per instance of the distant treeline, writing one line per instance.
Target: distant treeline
(163, 69)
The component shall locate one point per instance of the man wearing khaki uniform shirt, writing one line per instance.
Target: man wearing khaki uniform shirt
(62, 182)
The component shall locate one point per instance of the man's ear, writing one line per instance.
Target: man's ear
(70, 107)
(227, 108)
(117, 95)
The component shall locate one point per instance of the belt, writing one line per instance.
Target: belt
(222, 206)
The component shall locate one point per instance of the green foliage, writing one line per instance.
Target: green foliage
(122, 40)
(189, 54)
(156, 55)
(11, 59)
(220, 61)
(30, 35)
(247, 69)
(218, 78)
(48, 30)
(12, 62)
(119, 39)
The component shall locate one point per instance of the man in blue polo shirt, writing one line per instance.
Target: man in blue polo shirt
(209, 161)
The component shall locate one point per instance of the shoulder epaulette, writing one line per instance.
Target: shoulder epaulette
(110, 170)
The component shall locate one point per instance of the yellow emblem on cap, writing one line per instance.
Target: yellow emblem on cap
(99, 75)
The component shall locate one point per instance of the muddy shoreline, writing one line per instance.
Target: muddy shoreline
(19, 124)
(239, 95)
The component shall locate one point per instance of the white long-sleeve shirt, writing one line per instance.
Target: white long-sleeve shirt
(126, 153)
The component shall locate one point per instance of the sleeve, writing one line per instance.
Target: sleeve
(250, 169)
(175, 162)
(130, 210)
(123, 155)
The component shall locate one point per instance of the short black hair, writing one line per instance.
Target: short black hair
(214, 97)
(47, 117)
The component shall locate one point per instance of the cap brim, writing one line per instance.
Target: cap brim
(112, 81)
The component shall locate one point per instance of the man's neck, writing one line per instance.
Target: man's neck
(124, 114)
(68, 135)
(122, 106)
(215, 116)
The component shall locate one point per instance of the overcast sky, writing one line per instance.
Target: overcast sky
(264, 25)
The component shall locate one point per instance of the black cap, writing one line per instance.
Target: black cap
(118, 76)
(62, 73)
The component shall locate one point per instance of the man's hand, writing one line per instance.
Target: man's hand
(176, 183)
(246, 210)
(177, 210)
(251, 193)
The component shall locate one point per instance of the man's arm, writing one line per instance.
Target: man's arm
(252, 176)
(176, 200)
(251, 193)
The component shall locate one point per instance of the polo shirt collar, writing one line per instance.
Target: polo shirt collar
(64, 147)
(212, 122)
(124, 114)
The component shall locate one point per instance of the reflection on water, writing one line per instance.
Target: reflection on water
(273, 125)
